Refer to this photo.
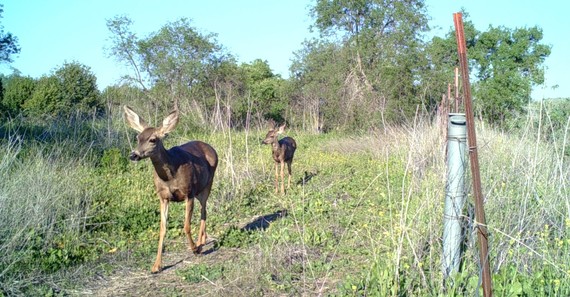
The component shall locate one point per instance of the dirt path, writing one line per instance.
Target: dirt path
(135, 281)
(129, 279)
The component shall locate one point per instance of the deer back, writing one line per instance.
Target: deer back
(287, 147)
(191, 166)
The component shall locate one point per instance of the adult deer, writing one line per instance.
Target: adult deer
(181, 173)
(283, 151)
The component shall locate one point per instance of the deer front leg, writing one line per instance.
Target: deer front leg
(188, 225)
(157, 267)
(276, 177)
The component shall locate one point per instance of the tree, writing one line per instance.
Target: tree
(176, 60)
(8, 43)
(318, 75)
(45, 99)
(78, 89)
(265, 89)
(71, 89)
(17, 90)
(506, 64)
(509, 65)
(442, 59)
(378, 51)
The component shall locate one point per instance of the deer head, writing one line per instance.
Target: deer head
(272, 134)
(149, 140)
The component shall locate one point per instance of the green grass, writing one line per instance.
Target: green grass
(366, 222)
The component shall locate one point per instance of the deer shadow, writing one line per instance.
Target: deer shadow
(258, 224)
(307, 176)
(263, 222)
(207, 249)
(171, 266)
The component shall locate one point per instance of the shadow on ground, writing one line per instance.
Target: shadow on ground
(262, 222)
(307, 176)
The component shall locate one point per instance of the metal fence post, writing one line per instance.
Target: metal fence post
(454, 193)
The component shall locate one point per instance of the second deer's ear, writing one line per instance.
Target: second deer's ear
(281, 129)
(134, 120)
(169, 122)
(271, 124)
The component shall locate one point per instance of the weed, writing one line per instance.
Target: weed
(201, 272)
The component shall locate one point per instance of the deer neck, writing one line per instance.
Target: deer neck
(275, 145)
(162, 163)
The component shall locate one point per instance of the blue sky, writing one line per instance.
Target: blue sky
(53, 32)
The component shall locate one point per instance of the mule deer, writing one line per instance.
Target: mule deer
(181, 173)
(283, 151)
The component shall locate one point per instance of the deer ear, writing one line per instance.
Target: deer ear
(271, 124)
(134, 120)
(281, 129)
(169, 122)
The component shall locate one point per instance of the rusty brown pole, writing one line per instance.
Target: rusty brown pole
(473, 157)
(456, 90)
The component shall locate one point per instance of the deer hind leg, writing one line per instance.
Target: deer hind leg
(163, 220)
(289, 170)
(282, 178)
(188, 223)
(203, 198)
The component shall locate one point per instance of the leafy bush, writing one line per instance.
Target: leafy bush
(200, 272)
(236, 238)
(16, 90)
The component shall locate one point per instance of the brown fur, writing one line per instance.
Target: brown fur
(181, 173)
(283, 152)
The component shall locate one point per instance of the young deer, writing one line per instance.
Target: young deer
(283, 151)
(181, 173)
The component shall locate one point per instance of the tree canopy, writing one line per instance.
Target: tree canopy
(371, 64)
(8, 43)
(506, 64)
(71, 89)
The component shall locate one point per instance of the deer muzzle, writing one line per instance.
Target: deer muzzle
(134, 156)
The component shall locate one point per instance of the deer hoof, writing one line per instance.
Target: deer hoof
(156, 269)
(197, 250)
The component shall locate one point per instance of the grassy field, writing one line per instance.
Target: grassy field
(363, 216)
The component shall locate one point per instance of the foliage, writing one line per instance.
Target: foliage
(265, 89)
(124, 94)
(46, 98)
(371, 54)
(180, 64)
(8, 43)
(318, 74)
(70, 90)
(369, 67)
(197, 273)
(551, 118)
(506, 62)
(78, 89)
(17, 89)
(236, 238)
(177, 59)
(509, 66)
